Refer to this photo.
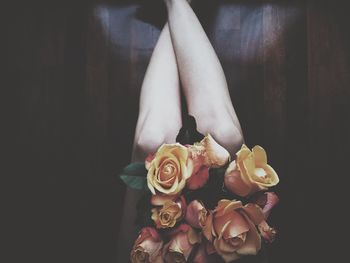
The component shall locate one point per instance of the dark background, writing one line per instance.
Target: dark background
(73, 71)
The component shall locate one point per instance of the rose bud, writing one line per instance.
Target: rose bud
(147, 247)
(204, 155)
(231, 228)
(267, 232)
(168, 170)
(169, 214)
(250, 172)
(267, 201)
(211, 153)
(180, 245)
(196, 214)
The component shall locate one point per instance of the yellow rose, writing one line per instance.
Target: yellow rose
(250, 172)
(168, 171)
(169, 214)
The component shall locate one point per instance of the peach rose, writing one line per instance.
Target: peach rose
(250, 172)
(169, 214)
(168, 170)
(209, 152)
(204, 155)
(181, 244)
(147, 247)
(232, 229)
(196, 214)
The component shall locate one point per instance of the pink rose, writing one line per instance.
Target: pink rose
(147, 247)
(196, 214)
(179, 248)
(231, 227)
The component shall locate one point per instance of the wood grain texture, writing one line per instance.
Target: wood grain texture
(75, 72)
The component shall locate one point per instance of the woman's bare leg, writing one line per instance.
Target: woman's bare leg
(202, 77)
(159, 122)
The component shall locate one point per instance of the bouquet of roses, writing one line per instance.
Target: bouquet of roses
(198, 202)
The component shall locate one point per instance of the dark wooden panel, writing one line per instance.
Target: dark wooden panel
(75, 72)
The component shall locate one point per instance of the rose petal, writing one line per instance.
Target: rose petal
(208, 227)
(151, 247)
(267, 232)
(224, 205)
(221, 245)
(234, 181)
(243, 153)
(159, 199)
(147, 232)
(150, 241)
(216, 155)
(184, 228)
(193, 236)
(194, 209)
(272, 175)
(181, 244)
(227, 257)
(198, 179)
(254, 213)
(271, 201)
(259, 155)
(148, 160)
(252, 243)
(238, 226)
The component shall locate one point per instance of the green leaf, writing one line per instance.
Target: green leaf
(134, 182)
(134, 176)
(135, 169)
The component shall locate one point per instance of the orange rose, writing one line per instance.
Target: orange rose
(147, 247)
(250, 172)
(232, 229)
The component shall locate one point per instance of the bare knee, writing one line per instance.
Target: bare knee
(149, 141)
(151, 138)
(229, 136)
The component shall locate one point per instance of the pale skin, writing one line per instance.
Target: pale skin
(183, 54)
